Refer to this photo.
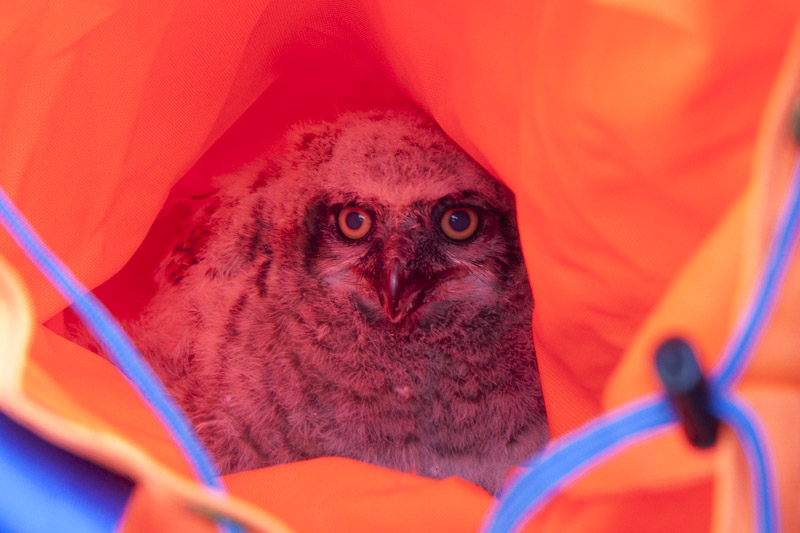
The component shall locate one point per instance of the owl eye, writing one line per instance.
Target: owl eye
(460, 223)
(354, 223)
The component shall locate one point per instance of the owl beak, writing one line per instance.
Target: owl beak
(403, 290)
(394, 285)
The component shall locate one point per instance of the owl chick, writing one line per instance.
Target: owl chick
(361, 296)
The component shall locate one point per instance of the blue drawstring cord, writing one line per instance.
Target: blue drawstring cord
(572, 455)
(579, 451)
(745, 423)
(738, 350)
(115, 342)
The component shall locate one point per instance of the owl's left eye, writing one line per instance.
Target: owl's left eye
(460, 223)
(354, 223)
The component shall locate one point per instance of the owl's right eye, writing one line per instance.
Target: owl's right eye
(354, 223)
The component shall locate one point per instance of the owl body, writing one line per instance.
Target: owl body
(362, 295)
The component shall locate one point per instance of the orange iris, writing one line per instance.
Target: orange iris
(354, 223)
(460, 223)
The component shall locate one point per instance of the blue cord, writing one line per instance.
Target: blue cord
(574, 454)
(114, 341)
(751, 322)
(762, 472)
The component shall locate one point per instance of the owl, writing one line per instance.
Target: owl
(362, 294)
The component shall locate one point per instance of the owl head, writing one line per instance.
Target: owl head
(393, 218)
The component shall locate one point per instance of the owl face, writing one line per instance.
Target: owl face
(405, 227)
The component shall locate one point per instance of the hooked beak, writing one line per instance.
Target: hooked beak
(401, 290)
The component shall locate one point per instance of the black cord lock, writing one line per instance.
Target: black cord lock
(687, 389)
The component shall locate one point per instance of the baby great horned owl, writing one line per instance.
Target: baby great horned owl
(365, 297)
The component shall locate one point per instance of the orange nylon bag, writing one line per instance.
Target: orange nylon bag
(650, 148)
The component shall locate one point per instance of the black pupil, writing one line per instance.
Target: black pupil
(459, 220)
(354, 220)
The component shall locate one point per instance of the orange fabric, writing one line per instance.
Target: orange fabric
(334, 494)
(647, 143)
(660, 511)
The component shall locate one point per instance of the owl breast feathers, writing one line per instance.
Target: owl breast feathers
(361, 294)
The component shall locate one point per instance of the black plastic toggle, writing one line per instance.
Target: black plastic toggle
(687, 389)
